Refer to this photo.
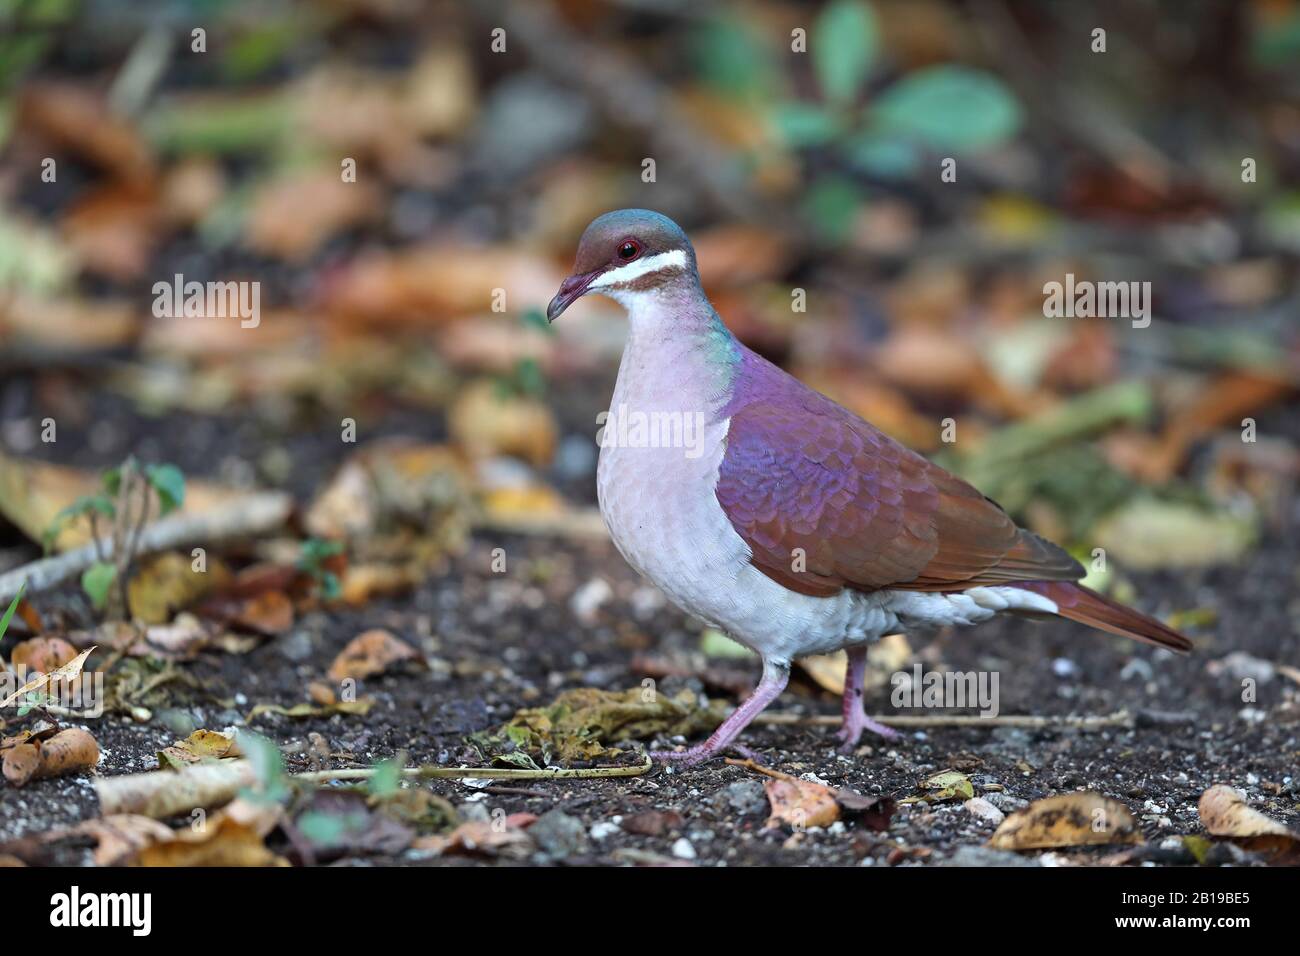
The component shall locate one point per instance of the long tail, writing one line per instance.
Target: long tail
(1088, 607)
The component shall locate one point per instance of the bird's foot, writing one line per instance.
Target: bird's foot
(685, 758)
(702, 753)
(851, 731)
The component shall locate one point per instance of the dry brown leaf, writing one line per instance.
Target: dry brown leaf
(437, 282)
(77, 119)
(222, 841)
(485, 422)
(269, 613)
(114, 229)
(294, 214)
(66, 674)
(1225, 813)
(166, 583)
(390, 482)
(119, 837)
(800, 803)
(363, 582)
(200, 745)
(1223, 402)
(486, 837)
(40, 655)
(370, 653)
(66, 751)
(164, 793)
(1068, 819)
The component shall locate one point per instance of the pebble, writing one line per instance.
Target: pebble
(683, 849)
(587, 600)
(984, 810)
(982, 856)
(746, 797)
(1064, 667)
(1137, 667)
(559, 835)
(1006, 802)
(603, 830)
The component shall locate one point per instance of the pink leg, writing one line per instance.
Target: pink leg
(855, 717)
(775, 676)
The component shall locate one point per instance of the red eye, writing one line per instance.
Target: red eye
(630, 249)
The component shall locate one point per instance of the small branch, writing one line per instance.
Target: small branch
(1121, 718)
(246, 517)
(481, 773)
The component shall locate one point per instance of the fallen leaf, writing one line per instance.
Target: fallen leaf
(1069, 819)
(67, 673)
(1149, 534)
(485, 422)
(292, 215)
(582, 724)
(800, 804)
(40, 655)
(1225, 813)
(67, 751)
(484, 837)
(231, 837)
(370, 653)
(948, 785)
(120, 836)
(166, 583)
(358, 708)
(200, 745)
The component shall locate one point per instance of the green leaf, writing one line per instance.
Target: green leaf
(387, 778)
(96, 580)
(13, 606)
(882, 156)
(268, 765)
(831, 204)
(948, 107)
(169, 482)
(732, 58)
(82, 506)
(844, 44)
(536, 319)
(802, 124)
(317, 550)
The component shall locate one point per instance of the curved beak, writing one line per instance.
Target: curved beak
(571, 290)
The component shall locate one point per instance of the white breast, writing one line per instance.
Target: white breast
(659, 503)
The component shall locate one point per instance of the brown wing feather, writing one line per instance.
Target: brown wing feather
(827, 501)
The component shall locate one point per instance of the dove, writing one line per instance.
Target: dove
(777, 516)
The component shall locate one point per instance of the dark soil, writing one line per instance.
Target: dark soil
(499, 642)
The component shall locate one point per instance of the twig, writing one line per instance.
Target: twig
(1120, 718)
(482, 773)
(247, 517)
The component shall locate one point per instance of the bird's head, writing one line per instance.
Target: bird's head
(625, 252)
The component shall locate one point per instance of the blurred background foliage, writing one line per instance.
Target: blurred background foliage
(800, 144)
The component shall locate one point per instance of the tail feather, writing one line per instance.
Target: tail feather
(1086, 606)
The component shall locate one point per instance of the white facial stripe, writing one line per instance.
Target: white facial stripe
(635, 270)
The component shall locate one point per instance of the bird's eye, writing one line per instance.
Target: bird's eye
(629, 249)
